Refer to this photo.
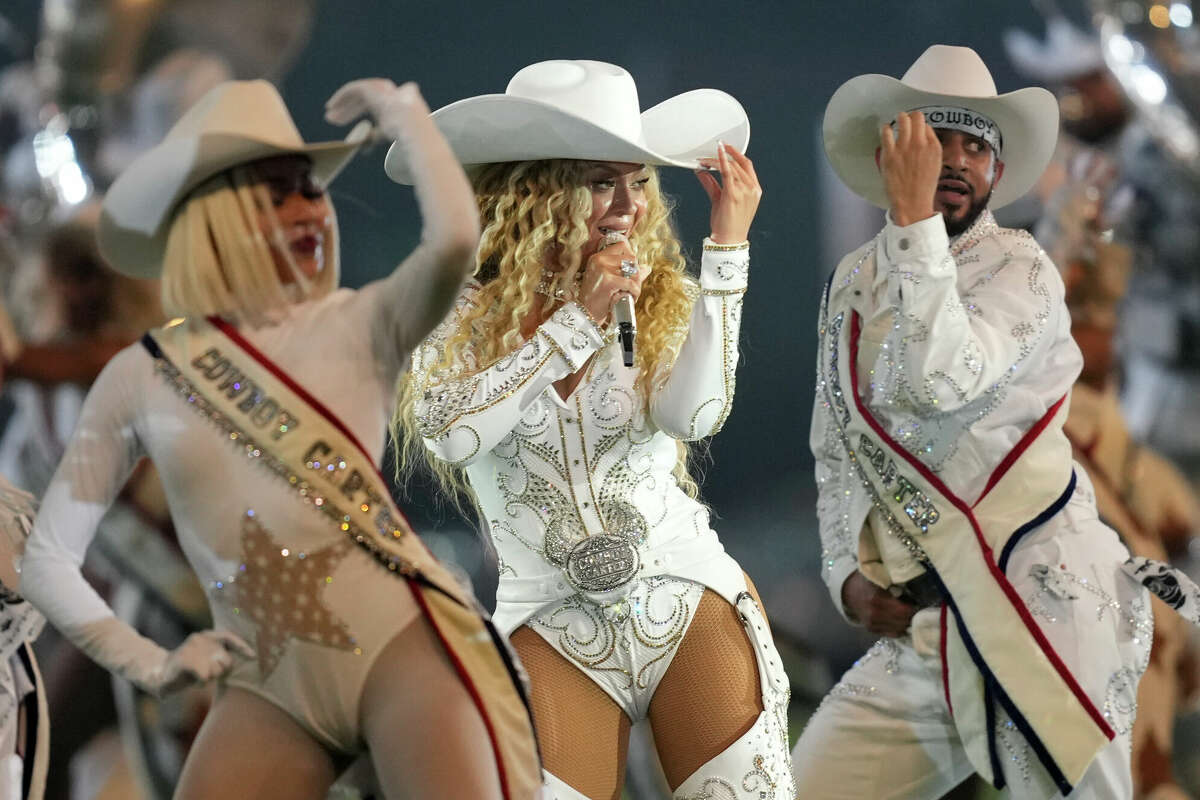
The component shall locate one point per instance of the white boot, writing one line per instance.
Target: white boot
(755, 767)
(557, 789)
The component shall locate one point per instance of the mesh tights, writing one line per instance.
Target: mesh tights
(708, 698)
(582, 732)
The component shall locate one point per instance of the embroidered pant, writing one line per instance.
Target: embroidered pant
(885, 730)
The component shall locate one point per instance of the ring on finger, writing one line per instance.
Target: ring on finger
(628, 267)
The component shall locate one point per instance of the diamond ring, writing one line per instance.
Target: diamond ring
(628, 267)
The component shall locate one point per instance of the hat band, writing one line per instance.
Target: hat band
(962, 119)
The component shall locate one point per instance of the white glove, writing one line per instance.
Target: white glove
(392, 107)
(202, 657)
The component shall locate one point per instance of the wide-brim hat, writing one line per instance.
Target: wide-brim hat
(583, 110)
(234, 123)
(1067, 52)
(942, 76)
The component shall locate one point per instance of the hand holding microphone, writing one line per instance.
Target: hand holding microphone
(611, 284)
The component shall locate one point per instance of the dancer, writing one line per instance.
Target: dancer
(335, 631)
(953, 520)
(616, 591)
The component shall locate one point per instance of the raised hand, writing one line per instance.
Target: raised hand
(385, 102)
(911, 162)
(734, 198)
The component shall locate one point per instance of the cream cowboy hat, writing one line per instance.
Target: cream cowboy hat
(1027, 119)
(234, 123)
(587, 110)
(1066, 53)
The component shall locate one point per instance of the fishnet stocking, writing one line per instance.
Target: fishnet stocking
(710, 694)
(583, 734)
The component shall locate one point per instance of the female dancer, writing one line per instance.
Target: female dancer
(335, 631)
(617, 594)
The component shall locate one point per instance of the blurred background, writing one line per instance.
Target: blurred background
(86, 85)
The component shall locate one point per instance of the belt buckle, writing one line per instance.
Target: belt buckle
(602, 562)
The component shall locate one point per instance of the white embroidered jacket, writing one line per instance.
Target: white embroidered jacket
(964, 346)
(550, 472)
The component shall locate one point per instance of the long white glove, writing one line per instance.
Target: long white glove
(203, 656)
(419, 292)
(401, 115)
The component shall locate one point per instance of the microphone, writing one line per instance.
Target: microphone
(622, 312)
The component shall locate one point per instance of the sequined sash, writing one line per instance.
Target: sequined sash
(994, 648)
(263, 412)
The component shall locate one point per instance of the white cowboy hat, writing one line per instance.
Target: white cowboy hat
(234, 123)
(1067, 53)
(586, 110)
(943, 76)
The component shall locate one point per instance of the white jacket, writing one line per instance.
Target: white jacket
(964, 346)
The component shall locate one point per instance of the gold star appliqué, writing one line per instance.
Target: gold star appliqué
(280, 590)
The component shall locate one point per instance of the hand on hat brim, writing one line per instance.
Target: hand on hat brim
(734, 198)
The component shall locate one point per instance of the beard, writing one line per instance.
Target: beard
(954, 227)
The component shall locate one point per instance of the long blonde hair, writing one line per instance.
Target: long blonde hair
(218, 261)
(532, 213)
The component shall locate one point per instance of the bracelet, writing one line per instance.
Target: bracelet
(716, 247)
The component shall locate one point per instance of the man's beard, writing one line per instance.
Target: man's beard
(956, 226)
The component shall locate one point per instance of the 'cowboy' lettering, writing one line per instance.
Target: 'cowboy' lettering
(206, 359)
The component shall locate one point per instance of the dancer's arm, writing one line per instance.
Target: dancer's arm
(696, 395)
(97, 462)
(464, 412)
(693, 399)
(839, 544)
(416, 296)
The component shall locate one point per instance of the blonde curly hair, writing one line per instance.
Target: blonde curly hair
(533, 214)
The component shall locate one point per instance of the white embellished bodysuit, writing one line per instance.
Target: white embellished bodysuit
(600, 551)
(549, 472)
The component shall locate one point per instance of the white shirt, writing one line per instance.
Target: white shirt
(550, 472)
(964, 346)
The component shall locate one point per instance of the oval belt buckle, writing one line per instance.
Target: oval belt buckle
(602, 562)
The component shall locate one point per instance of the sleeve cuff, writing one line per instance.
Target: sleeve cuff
(835, 578)
(573, 334)
(922, 240)
(724, 268)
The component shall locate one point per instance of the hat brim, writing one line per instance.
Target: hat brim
(498, 128)
(137, 209)
(1027, 118)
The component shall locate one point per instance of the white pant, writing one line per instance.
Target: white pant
(885, 731)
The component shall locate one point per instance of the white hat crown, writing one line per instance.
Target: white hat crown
(603, 94)
(1067, 51)
(944, 69)
(583, 110)
(247, 109)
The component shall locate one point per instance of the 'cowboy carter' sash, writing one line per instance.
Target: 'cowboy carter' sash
(994, 648)
(272, 419)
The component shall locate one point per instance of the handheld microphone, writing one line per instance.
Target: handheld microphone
(622, 312)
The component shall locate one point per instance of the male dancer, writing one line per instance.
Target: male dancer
(953, 520)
